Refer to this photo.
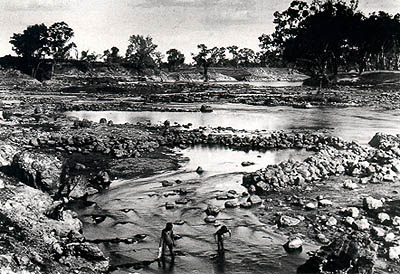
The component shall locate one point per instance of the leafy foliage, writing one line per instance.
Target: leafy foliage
(141, 52)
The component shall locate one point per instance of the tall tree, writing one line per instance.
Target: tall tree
(233, 50)
(141, 52)
(112, 55)
(59, 36)
(32, 43)
(204, 58)
(175, 59)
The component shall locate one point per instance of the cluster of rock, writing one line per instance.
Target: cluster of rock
(335, 157)
(278, 140)
(118, 106)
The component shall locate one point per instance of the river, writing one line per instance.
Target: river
(352, 123)
(138, 206)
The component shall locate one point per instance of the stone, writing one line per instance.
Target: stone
(182, 201)
(396, 221)
(294, 244)
(2, 185)
(38, 170)
(378, 232)
(166, 183)
(212, 210)
(210, 219)
(361, 224)
(247, 163)
(370, 203)
(288, 221)
(169, 205)
(352, 212)
(254, 200)
(331, 221)
(349, 220)
(394, 253)
(348, 184)
(390, 237)
(324, 203)
(231, 204)
(7, 153)
(322, 238)
(103, 121)
(245, 205)
(383, 217)
(199, 170)
(311, 206)
(179, 222)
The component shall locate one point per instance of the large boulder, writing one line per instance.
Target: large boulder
(344, 255)
(38, 170)
(7, 153)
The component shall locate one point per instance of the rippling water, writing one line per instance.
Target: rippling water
(138, 207)
(353, 123)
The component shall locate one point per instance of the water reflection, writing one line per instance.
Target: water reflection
(358, 124)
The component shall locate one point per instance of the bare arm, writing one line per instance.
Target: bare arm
(161, 239)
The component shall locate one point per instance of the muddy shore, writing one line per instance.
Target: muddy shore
(344, 198)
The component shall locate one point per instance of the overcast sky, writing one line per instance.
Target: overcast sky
(181, 24)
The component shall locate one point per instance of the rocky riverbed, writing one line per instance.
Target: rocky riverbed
(343, 198)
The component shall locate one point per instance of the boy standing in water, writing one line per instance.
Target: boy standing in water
(167, 240)
(219, 237)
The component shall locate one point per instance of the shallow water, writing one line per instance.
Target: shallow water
(138, 207)
(353, 123)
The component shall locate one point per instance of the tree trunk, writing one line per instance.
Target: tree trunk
(205, 73)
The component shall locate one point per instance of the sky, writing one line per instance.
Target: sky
(180, 24)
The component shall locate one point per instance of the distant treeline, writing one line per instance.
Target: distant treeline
(321, 38)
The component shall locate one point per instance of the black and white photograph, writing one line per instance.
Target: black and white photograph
(199, 136)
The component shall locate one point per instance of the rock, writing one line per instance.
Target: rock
(390, 237)
(87, 250)
(361, 224)
(254, 200)
(331, 221)
(231, 204)
(169, 205)
(294, 244)
(2, 185)
(206, 108)
(370, 203)
(324, 203)
(7, 153)
(352, 212)
(199, 170)
(378, 232)
(311, 206)
(288, 221)
(345, 254)
(38, 170)
(322, 238)
(182, 201)
(396, 221)
(247, 163)
(210, 219)
(167, 183)
(348, 184)
(245, 205)
(349, 220)
(212, 210)
(394, 253)
(179, 222)
(383, 218)
(103, 121)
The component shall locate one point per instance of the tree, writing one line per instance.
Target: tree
(32, 43)
(111, 55)
(233, 50)
(141, 52)
(205, 58)
(90, 57)
(175, 59)
(59, 36)
(246, 57)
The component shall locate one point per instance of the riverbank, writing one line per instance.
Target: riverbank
(50, 161)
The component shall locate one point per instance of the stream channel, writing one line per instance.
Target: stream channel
(137, 206)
